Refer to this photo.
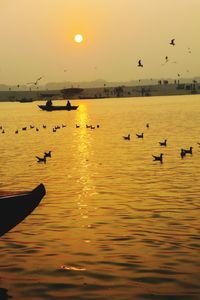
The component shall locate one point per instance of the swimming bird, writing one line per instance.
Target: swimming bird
(140, 136)
(182, 153)
(140, 64)
(128, 137)
(16, 131)
(41, 159)
(77, 126)
(44, 126)
(47, 154)
(32, 126)
(147, 125)
(187, 151)
(166, 59)
(158, 158)
(24, 128)
(98, 126)
(163, 143)
(172, 42)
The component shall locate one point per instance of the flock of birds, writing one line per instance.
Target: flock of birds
(159, 157)
(43, 159)
(172, 43)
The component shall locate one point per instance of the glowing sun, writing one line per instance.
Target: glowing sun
(78, 38)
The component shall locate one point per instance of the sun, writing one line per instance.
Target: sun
(78, 38)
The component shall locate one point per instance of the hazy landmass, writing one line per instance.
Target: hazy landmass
(101, 89)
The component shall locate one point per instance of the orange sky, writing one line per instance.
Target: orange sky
(37, 39)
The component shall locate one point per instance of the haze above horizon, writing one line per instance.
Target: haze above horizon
(37, 39)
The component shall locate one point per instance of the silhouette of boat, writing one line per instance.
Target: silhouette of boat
(15, 208)
(54, 107)
(24, 100)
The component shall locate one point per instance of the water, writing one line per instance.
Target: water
(114, 224)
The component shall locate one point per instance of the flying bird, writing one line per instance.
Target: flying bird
(172, 42)
(35, 82)
(140, 64)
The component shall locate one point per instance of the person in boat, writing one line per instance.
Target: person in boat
(49, 103)
(68, 103)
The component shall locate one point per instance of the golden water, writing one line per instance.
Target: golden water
(114, 224)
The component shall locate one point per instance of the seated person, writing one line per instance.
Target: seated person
(49, 103)
(68, 103)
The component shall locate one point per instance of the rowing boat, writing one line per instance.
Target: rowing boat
(15, 208)
(54, 107)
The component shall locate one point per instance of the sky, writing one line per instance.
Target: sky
(37, 39)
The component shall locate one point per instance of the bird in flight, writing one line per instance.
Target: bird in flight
(35, 82)
(172, 42)
(140, 64)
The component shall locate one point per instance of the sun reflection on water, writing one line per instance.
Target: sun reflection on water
(87, 186)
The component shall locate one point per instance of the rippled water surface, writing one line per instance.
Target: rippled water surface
(114, 224)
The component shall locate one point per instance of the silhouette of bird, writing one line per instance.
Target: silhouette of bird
(172, 42)
(37, 129)
(98, 126)
(24, 128)
(166, 59)
(140, 136)
(163, 143)
(147, 125)
(35, 82)
(47, 154)
(77, 126)
(31, 126)
(44, 126)
(63, 125)
(16, 131)
(3, 131)
(41, 159)
(178, 75)
(128, 137)
(182, 153)
(140, 64)
(187, 151)
(158, 158)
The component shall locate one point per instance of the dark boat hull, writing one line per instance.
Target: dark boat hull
(15, 208)
(52, 108)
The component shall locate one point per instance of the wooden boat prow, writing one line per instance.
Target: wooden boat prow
(15, 208)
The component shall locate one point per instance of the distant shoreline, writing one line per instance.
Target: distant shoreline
(103, 92)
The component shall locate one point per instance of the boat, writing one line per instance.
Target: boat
(25, 100)
(54, 107)
(15, 208)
